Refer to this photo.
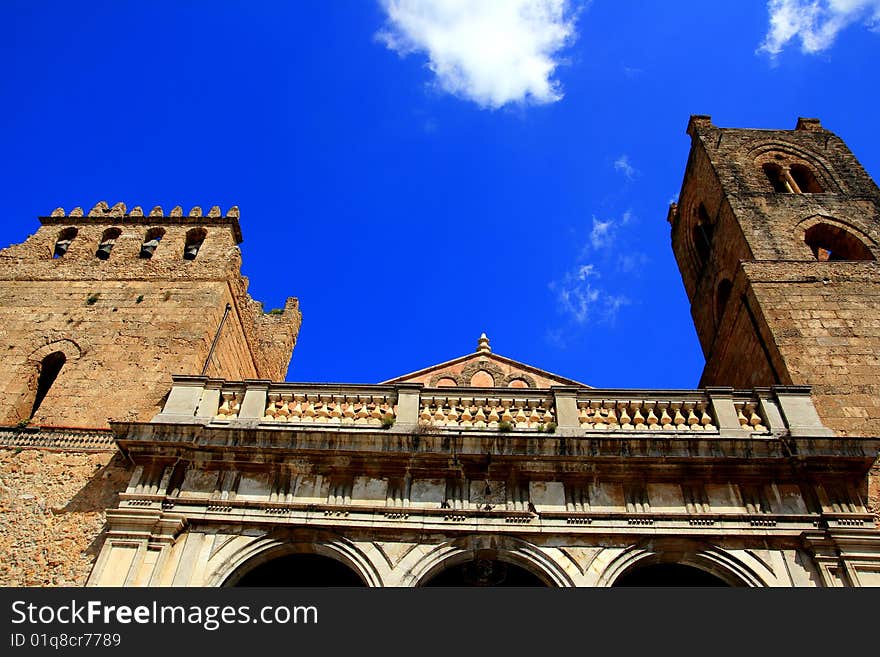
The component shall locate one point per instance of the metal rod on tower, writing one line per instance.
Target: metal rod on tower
(216, 337)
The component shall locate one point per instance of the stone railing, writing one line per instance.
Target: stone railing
(505, 408)
(318, 406)
(569, 411)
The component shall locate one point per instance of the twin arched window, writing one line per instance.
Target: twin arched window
(791, 177)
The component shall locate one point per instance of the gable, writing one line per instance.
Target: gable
(484, 369)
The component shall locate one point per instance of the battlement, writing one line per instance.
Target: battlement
(119, 214)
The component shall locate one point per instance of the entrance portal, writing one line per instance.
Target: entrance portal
(300, 570)
(668, 574)
(485, 572)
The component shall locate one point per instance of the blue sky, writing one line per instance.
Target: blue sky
(420, 172)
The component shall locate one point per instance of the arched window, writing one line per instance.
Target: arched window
(721, 298)
(777, 180)
(151, 241)
(791, 177)
(805, 179)
(65, 237)
(50, 366)
(832, 243)
(194, 239)
(108, 239)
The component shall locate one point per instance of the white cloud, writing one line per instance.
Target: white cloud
(579, 297)
(601, 234)
(492, 52)
(604, 233)
(622, 164)
(815, 22)
(631, 262)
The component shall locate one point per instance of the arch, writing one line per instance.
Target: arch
(813, 170)
(830, 242)
(108, 239)
(300, 569)
(773, 171)
(503, 548)
(708, 558)
(805, 179)
(485, 572)
(482, 379)
(69, 348)
(513, 377)
(668, 574)
(195, 237)
(39, 373)
(65, 237)
(702, 233)
(722, 296)
(262, 550)
(49, 369)
(151, 241)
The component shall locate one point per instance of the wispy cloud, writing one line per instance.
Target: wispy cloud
(604, 233)
(601, 234)
(580, 296)
(492, 52)
(816, 23)
(623, 165)
(629, 263)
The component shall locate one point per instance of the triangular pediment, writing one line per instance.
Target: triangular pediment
(484, 369)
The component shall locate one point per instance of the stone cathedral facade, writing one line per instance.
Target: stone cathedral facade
(125, 460)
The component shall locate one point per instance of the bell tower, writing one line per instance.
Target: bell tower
(99, 309)
(777, 236)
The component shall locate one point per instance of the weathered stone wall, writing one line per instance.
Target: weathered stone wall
(52, 506)
(126, 324)
(790, 318)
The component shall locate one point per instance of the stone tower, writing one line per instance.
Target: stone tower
(777, 236)
(97, 312)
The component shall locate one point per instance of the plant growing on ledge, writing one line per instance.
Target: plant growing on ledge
(276, 311)
(21, 424)
(504, 425)
(550, 427)
(93, 297)
(387, 421)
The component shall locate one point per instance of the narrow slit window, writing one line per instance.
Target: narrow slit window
(194, 240)
(151, 242)
(724, 289)
(65, 237)
(108, 239)
(702, 234)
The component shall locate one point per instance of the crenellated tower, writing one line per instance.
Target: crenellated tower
(98, 310)
(777, 236)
